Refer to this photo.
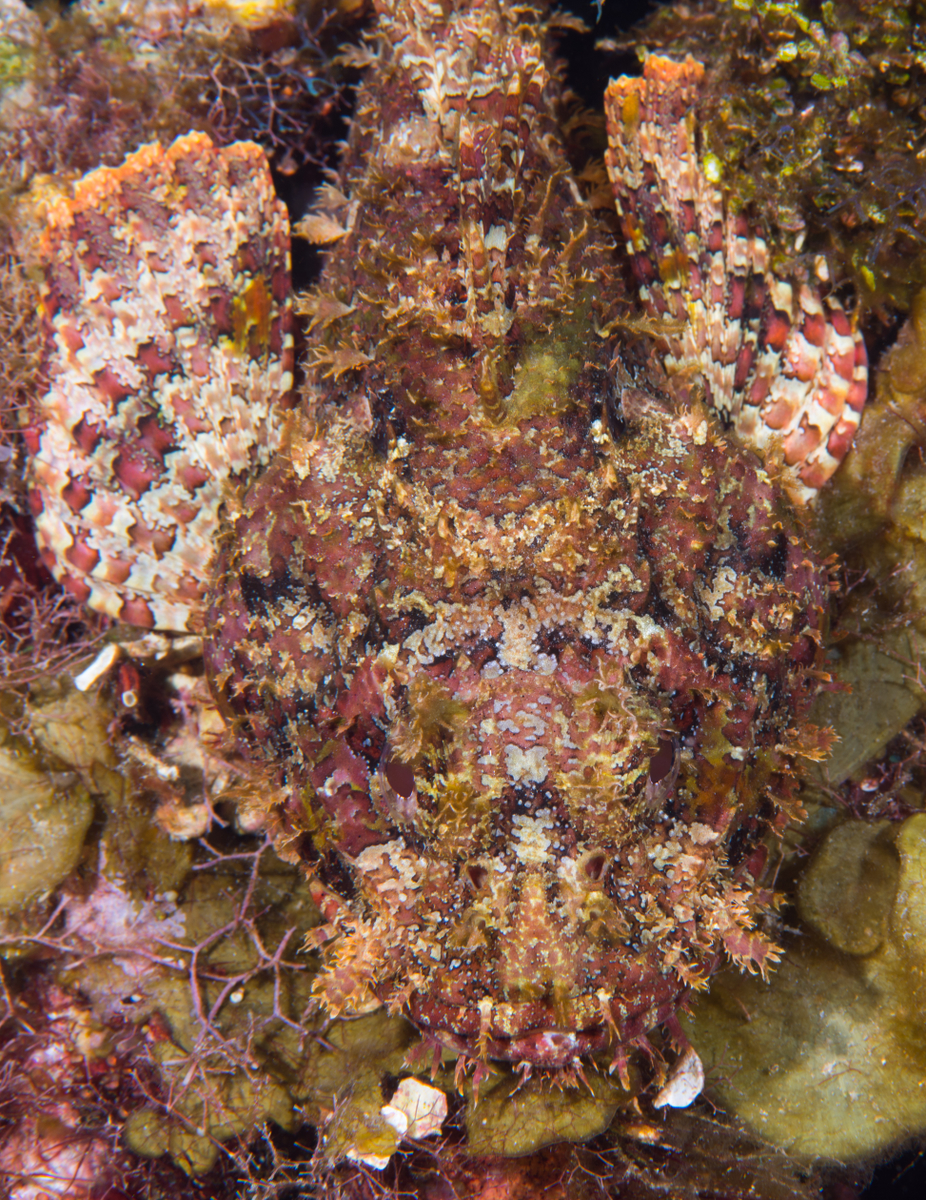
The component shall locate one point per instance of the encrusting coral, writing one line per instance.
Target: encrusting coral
(514, 615)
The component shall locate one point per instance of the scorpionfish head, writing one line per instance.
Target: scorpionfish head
(535, 693)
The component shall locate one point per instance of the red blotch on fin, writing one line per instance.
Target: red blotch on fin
(154, 362)
(79, 588)
(777, 330)
(110, 386)
(136, 611)
(135, 471)
(87, 436)
(813, 328)
(77, 495)
(82, 557)
(155, 437)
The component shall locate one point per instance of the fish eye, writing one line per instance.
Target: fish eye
(662, 761)
(477, 875)
(401, 778)
(595, 866)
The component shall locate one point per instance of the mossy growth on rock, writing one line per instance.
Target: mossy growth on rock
(56, 767)
(814, 112)
(44, 828)
(829, 1057)
(511, 1119)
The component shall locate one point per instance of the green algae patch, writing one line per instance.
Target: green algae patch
(376, 1041)
(357, 1130)
(549, 366)
(15, 64)
(341, 1086)
(829, 1057)
(214, 981)
(881, 697)
(52, 770)
(858, 863)
(511, 1119)
(146, 1133)
(72, 729)
(44, 826)
(20, 55)
(213, 1111)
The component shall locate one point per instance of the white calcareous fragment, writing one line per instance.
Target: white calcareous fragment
(416, 1110)
(98, 668)
(685, 1083)
(377, 1161)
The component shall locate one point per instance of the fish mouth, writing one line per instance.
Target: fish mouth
(544, 1034)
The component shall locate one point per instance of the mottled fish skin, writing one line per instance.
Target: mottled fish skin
(530, 634)
(529, 638)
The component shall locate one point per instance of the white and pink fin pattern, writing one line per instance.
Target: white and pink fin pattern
(167, 305)
(780, 362)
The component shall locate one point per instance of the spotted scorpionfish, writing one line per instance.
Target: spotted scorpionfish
(515, 600)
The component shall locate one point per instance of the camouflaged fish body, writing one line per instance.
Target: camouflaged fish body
(529, 629)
